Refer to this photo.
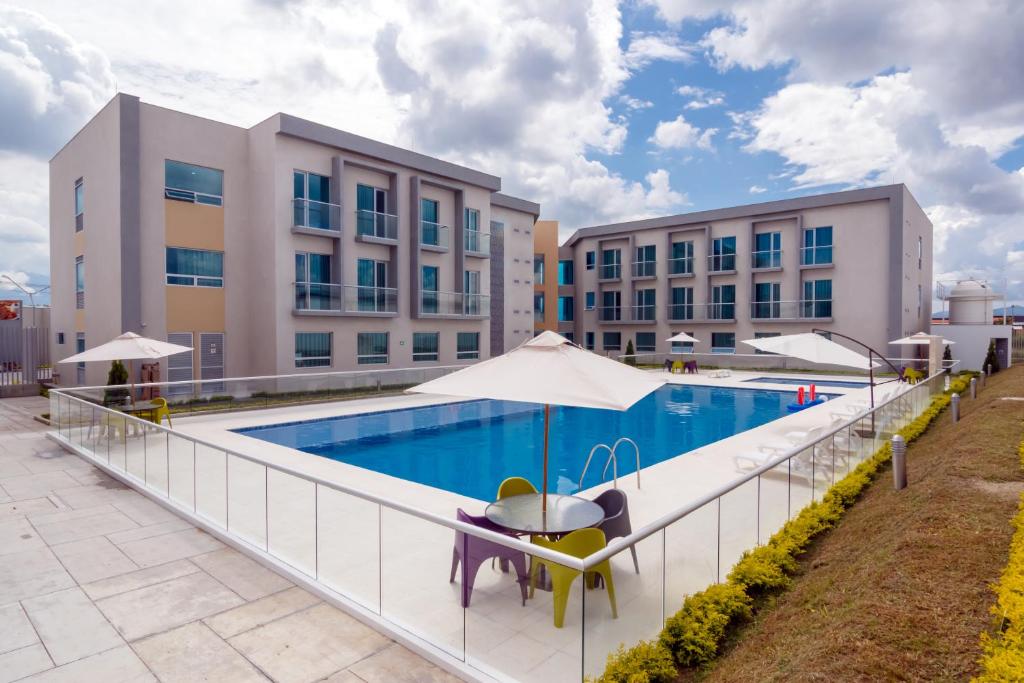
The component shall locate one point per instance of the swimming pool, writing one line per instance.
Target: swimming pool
(469, 447)
(807, 382)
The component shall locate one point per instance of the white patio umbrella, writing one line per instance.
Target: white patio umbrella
(130, 347)
(682, 337)
(548, 369)
(813, 348)
(918, 338)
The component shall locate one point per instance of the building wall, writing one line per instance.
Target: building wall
(545, 245)
(517, 299)
(917, 272)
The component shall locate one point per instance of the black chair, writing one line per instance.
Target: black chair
(616, 518)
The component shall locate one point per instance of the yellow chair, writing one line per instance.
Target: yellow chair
(515, 486)
(677, 367)
(158, 412)
(580, 543)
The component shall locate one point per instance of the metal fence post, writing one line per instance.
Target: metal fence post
(974, 387)
(954, 407)
(899, 462)
(981, 377)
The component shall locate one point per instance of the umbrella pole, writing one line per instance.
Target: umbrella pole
(544, 497)
(131, 379)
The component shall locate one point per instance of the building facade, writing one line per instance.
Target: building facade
(857, 262)
(282, 248)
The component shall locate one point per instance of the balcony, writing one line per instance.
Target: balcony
(766, 260)
(312, 298)
(433, 236)
(454, 304)
(816, 256)
(644, 313)
(476, 243)
(374, 226)
(309, 215)
(643, 269)
(722, 263)
(820, 309)
(192, 197)
(609, 314)
(702, 312)
(680, 267)
(609, 272)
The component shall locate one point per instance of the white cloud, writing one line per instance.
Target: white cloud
(702, 98)
(645, 48)
(757, 189)
(681, 134)
(661, 195)
(634, 103)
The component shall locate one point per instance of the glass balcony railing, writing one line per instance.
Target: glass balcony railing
(791, 310)
(609, 313)
(816, 256)
(476, 242)
(375, 224)
(314, 215)
(681, 266)
(433, 235)
(645, 268)
(318, 296)
(701, 312)
(609, 271)
(644, 312)
(766, 259)
(455, 304)
(721, 263)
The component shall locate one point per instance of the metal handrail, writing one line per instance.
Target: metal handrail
(589, 457)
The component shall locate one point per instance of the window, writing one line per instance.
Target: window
(723, 342)
(179, 366)
(566, 275)
(471, 288)
(60, 338)
(312, 282)
(817, 301)
(644, 305)
(589, 300)
(79, 205)
(723, 254)
(372, 216)
(428, 285)
(645, 264)
(473, 240)
(190, 183)
(723, 302)
(591, 259)
(768, 250)
(312, 349)
(80, 367)
(425, 345)
(681, 307)
(372, 293)
(538, 308)
(611, 341)
(310, 204)
(195, 267)
(920, 252)
(467, 346)
(566, 308)
(432, 233)
(611, 306)
(766, 300)
(372, 348)
(611, 264)
(681, 262)
(919, 299)
(765, 335)
(538, 269)
(211, 361)
(588, 340)
(682, 347)
(79, 282)
(645, 342)
(817, 249)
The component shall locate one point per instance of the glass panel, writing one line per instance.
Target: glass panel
(801, 480)
(291, 518)
(184, 176)
(348, 546)
(210, 483)
(117, 440)
(691, 555)
(824, 467)
(135, 448)
(181, 463)
(773, 508)
(247, 510)
(738, 523)
(156, 459)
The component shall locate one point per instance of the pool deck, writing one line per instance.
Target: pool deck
(98, 583)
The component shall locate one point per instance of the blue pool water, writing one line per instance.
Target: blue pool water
(470, 447)
(806, 383)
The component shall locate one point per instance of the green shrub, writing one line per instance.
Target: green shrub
(694, 634)
(991, 359)
(116, 377)
(630, 354)
(645, 662)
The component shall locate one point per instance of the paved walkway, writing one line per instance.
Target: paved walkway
(97, 583)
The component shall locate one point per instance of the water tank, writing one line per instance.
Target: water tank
(970, 303)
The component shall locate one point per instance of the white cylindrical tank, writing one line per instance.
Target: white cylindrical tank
(970, 303)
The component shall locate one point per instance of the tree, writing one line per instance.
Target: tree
(947, 359)
(630, 357)
(991, 359)
(117, 377)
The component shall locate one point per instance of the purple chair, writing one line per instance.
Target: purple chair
(616, 518)
(473, 552)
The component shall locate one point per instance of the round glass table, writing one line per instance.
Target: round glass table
(523, 513)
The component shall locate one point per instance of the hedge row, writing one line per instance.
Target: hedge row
(693, 635)
(1003, 658)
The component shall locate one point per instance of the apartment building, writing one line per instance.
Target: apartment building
(282, 248)
(857, 262)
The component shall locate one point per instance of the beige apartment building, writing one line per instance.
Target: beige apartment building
(857, 262)
(283, 248)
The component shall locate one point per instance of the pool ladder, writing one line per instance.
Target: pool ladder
(613, 461)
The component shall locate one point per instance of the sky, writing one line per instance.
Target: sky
(601, 111)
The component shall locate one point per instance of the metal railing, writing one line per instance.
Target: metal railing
(819, 309)
(644, 312)
(476, 242)
(309, 214)
(455, 304)
(180, 195)
(320, 296)
(433, 235)
(701, 312)
(645, 268)
(609, 313)
(386, 559)
(771, 258)
(383, 226)
(719, 263)
(816, 256)
(680, 266)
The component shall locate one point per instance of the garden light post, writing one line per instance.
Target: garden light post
(899, 462)
(954, 407)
